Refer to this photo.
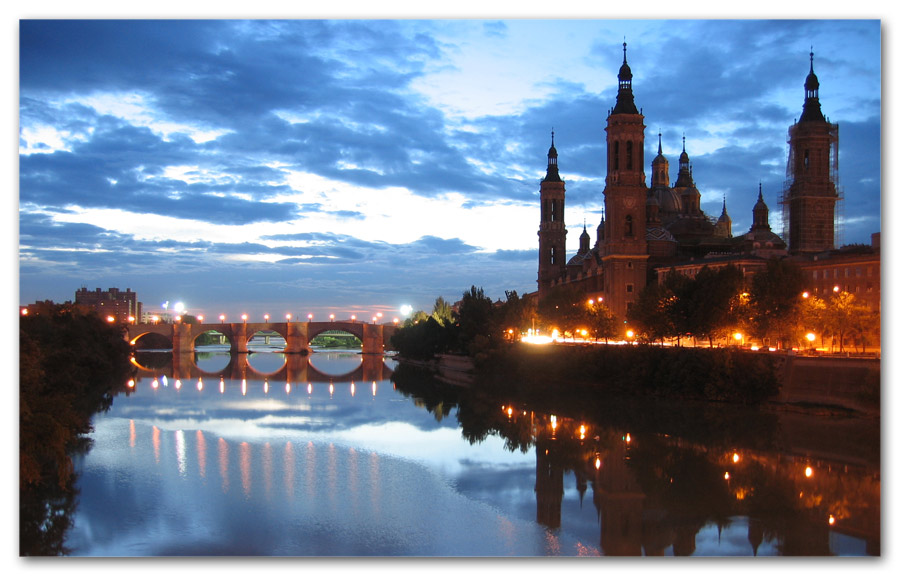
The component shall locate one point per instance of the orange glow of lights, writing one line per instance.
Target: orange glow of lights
(597, 463)
(627, 437)
(110, 319)
(310, 316)
(727, 476)
(509, 411)
(738, 336)
(374, 388)
(222, 386)
(131, 383)
(199, 384)
(331, 389)
(836, 289)
(266, 317)
(266, 387)
(353, 389)
(831, 519)
(155, 384)
(243, 387)
(736, 458)
(24, 311)
(331, 317)
(309, 387)
(806, 294)
(553, 422)
(221, 317)
(810, 336)
(287, 387)
(200, 318)
(808, 472)
(582, 431)
(287, 317)
(244, 317)
(353, 317)
(630, 333)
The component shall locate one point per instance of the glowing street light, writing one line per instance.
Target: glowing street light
(221, 318)
(200, 318)
(331, 317)
(266, 318)
(287, 317)
(244, 318)
(353, 317)
(738, 337)
(309, 316)
(110, 319)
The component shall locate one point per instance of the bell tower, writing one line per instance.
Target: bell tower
(552, 231)
(624, 248)
(811, 188)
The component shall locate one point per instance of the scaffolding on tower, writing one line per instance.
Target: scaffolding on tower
(833, 174)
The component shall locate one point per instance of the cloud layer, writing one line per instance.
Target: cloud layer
(354, 166)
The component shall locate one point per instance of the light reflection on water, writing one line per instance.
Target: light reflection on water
(253, 467)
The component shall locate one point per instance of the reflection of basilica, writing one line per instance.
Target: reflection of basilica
(656, 494)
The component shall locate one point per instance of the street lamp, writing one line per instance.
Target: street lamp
(244, 318)
(309, 316)
(266, 318)
(739, 337)
(287, 317)
(222, 318)
(331, 317)
(200, 319)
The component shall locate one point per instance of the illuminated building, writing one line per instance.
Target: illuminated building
(647, 232)
(113, 302)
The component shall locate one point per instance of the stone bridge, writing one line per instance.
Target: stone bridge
(375, 338)
(297, 368)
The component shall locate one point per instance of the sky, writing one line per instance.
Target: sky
(353, 166)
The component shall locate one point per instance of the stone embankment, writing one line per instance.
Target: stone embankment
(831, 381)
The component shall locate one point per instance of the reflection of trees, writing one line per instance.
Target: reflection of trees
(660, 472)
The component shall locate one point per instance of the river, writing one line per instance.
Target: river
(337, 455)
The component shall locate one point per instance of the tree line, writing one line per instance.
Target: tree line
(715, 307)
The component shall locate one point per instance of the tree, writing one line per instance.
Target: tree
(601, 321)
(563, 309)
(442, 312)
(775, 298)
(476, 319)
(715, 302)
(652, 313)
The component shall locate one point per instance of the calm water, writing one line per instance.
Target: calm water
(327, 456)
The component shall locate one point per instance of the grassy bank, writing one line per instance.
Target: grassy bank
(720, 374)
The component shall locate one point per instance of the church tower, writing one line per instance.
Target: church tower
(552, 231)
(811, 188)
(624, 248)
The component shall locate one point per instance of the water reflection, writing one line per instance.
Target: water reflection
(256, 466)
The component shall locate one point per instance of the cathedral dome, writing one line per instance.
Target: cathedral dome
(669, 201)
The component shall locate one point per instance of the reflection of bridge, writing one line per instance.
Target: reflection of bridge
(296, 368)
(374, 337)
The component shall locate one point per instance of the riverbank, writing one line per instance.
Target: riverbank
(812, 384)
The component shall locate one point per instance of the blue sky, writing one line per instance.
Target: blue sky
(353, 166)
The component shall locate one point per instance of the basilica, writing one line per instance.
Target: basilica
(649, 231)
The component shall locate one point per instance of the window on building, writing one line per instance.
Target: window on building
(846, 272)
(629, 265)
(629, 288)
(615, 155)
(858, 272)
(815, 274)
(629, 226)
(553, 254)
(629, 151)
(824, 274)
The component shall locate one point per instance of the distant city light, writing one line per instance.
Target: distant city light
(406, 309)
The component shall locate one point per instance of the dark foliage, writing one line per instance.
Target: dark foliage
(71, 364)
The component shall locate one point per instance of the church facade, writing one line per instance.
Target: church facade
(648, 231)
